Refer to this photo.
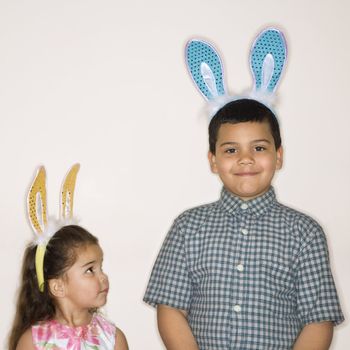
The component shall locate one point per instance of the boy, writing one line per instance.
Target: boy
(244, 272)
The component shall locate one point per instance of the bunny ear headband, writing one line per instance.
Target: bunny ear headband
(43, 228)
(267, 59)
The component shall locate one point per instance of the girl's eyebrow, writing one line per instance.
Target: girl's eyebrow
(88, 263)
(91, 262)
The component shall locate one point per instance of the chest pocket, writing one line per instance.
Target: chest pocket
(278, 288)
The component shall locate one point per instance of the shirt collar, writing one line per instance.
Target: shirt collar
(257, 206)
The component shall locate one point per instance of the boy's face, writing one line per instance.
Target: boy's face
(246, 158)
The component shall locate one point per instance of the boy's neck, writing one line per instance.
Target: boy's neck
(246, 199)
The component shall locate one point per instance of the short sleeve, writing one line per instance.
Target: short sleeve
(317, 298)
(170, 282)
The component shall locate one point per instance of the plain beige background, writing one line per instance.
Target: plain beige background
(104, 83)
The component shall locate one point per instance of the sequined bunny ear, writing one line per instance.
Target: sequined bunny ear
(37, 213)
(43, 228)
(67, 193)
(36, 203)
(267, 60)
(205, 67)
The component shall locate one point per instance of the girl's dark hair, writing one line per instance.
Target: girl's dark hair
(241, 111)
(32, 305)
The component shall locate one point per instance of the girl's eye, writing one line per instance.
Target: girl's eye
(90, 270)
(260, 148)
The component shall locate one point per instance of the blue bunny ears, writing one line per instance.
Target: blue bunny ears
(267, 60)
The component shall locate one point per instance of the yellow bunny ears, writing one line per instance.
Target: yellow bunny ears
(43, 228)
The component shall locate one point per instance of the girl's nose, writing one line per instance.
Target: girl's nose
(103, 277)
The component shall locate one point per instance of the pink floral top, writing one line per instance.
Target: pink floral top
(98, 334)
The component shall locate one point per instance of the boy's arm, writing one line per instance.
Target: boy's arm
(315, 336)
(317, 301)
(174, 329)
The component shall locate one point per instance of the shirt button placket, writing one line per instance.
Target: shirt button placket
(237, 308)
(244, 206)
(240, 267)
(244, 231)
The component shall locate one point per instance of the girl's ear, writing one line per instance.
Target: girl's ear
(205, 67)
(57, 287)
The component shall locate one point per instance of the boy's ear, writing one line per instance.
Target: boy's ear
(212, 162)
(57, 287)
(279, 162)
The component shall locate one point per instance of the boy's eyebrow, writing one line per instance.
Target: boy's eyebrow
(237, 143)
(262, 140)
(228, 143)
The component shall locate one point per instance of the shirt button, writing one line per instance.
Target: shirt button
(244, 206)
(244, 231)
(240, 267)
(237, 308)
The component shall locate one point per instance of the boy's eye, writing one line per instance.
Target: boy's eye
(260, 148)
(231, 150)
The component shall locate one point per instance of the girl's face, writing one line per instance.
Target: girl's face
(86, 285)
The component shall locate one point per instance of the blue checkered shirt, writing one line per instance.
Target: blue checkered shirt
(249, 274)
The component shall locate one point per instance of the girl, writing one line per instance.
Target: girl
(60, 311)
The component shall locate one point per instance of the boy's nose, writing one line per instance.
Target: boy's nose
(246, 158)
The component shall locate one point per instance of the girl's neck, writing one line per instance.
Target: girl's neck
(73, 318)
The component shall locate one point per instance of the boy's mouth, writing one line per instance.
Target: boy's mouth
(246, 173)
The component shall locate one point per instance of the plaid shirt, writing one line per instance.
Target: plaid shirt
(250, 274)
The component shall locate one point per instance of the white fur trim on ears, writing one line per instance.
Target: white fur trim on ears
(53, 225)
(213, 106)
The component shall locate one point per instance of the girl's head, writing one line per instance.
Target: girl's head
(62, 252)
(82, 284)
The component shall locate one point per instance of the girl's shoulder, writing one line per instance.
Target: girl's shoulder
(120, 340)
(101, 321)
(26, 341)
(109, 327)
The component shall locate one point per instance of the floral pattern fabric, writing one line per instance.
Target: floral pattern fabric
(99, 334)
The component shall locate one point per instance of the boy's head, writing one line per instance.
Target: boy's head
(245, 147)
(241, 111)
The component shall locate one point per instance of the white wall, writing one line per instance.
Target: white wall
(104, 83)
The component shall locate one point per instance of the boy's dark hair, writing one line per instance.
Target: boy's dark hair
(61, 253)
(241, 111)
